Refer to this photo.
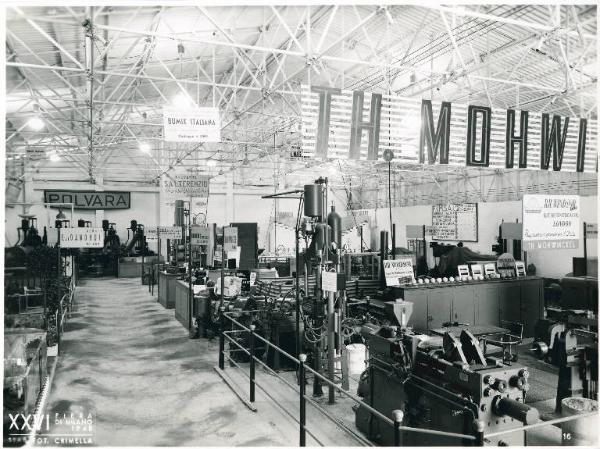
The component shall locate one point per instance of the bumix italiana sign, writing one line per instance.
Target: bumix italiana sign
(346, 124)
(191, 125)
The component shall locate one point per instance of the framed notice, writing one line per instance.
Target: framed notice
(200, 235)
(398, 271)
(191, 125)
(329, 281)
(455, 222)
(165, 232)
(81, 238)
(230, 238)
(520, 269)
(551, 222)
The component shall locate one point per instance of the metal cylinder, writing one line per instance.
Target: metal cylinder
(81, 223)
(313, 200)
(321, 230)
(335, 222)
(133, 225)
(105, 225)
(517, 410)
(179, 220)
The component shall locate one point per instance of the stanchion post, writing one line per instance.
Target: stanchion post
(222, 338)
(252, 364)
(302, 376)
(479, 427)
(398, 417)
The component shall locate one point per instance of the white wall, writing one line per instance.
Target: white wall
(242, 206)
(548, 263)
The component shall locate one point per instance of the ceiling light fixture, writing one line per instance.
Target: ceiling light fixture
(144, 147)
(54, 157)
(211, 163)
(35, 123)
(181, 100)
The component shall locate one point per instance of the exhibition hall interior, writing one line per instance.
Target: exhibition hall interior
(300, 225)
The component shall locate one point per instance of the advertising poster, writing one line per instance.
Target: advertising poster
(551, 222)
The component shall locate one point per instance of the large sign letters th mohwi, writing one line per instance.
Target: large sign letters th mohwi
(82, 199)
(345, 124)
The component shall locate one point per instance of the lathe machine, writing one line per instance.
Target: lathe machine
(440, 383)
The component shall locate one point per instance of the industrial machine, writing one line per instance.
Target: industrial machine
(440, 383)
(569, 341)
(136, 241)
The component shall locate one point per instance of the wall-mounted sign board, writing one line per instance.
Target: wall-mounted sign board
(88, 199)
(191, 125)
(455, 222)
(551, 222)
(81, 238)
(345, 124)
(182, 186)
(230, 238)
(200, 235)
(398, 271)
(165, 232)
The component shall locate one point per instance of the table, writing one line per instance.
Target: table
(477, 331)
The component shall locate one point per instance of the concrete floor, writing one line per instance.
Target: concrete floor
(129, 363)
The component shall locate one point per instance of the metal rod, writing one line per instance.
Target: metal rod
(302, 378)
(252, 364)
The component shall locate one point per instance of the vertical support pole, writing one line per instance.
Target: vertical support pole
(331, 345)
(159, 264)
(252, 365)
(143, 257)
(222, 338)
(190, 289)
(302, 377)
(479, 426)
(297, 283)
(398, 417)
(371, 399)
(585, 248)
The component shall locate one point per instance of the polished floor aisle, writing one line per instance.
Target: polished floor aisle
(129, 365)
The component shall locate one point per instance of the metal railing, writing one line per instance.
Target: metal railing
(395, 422)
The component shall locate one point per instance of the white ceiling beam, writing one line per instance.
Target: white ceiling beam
(461, 11)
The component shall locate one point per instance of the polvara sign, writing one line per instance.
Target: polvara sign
(84, 199)
(345, 124)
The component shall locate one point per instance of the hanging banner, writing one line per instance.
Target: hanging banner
(551, 222)
(165, 232)
(191, 125)
(398, 271)
(344, 124)
(200, 235)
(81, 238)
(182, 186)
(89, 199)
(230, 238)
